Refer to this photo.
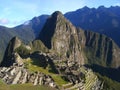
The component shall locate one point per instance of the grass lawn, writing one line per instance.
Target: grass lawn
(3, 86)
(29, 87)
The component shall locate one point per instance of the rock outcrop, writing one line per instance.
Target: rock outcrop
(18, 59)
(99, 49)
(60, 35)
(9, 53)
(104, 48)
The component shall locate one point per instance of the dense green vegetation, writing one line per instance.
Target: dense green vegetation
(5, 36)
(91, 58)
(99, 49)
(23, 51)
(25, 33)
(109, 84)
(37, 45)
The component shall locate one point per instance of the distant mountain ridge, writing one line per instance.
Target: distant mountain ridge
(102, 20)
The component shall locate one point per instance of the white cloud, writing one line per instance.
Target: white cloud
(4, 21)
(117, 4)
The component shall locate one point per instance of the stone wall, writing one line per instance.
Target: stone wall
(20, 75)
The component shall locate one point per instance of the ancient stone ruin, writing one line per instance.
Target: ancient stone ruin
(19, 75)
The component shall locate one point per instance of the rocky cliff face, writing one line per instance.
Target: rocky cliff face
(99, 49)
(9, 53)
(77, 45)
(60, 36)
(20, 75)
(104, 48)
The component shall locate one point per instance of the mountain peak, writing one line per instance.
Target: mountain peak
(60, 36)
(57, 13)
(16, 41)
(86, 8)
(56, 20)
(57, 16)
(8, 60)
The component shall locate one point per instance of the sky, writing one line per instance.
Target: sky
(16, 12)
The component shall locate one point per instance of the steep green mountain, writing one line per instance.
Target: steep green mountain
(7, 34)
(99, 49)
(8, 59)
(61, 36)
